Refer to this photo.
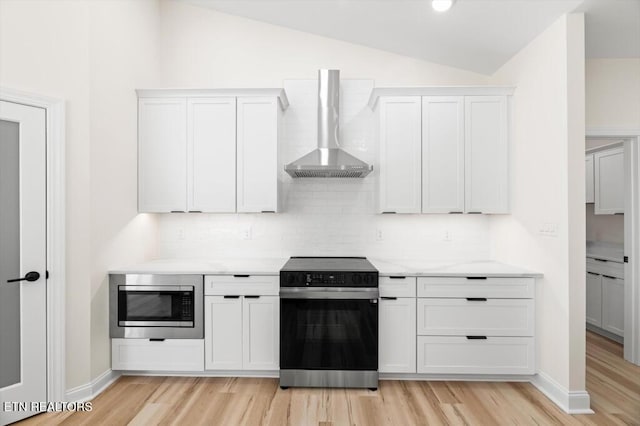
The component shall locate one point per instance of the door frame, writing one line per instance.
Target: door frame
(631, 236)
(56, 241)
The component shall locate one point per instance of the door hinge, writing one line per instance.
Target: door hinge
(46, 275)
(626, 259)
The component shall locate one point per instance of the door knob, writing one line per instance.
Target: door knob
(30, 276)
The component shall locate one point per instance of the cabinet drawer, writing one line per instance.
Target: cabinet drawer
(459, 355)
(397, 286)
(462, 317)
(167, 355)
(605, 267)
(491, 287)
(241, 285)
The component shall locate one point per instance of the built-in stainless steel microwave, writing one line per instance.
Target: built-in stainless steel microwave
(156, 306)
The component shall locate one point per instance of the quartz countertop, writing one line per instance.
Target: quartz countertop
(272, 266)
(605, 251)
(444, 269)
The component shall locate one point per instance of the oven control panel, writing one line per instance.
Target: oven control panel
(328, 279)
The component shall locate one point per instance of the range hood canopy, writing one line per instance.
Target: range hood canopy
(328, 160)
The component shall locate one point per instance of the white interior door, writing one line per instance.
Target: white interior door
(23, 372)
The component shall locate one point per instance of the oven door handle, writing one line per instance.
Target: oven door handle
(155, 288)
(329, 293)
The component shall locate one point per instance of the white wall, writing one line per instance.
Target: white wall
(204, 48)
(613, 93)
(92, 55)
(547, 169)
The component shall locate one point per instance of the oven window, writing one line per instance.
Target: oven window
(156, 306)
(328, 334)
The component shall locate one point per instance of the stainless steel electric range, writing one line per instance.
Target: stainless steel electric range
(329, 322)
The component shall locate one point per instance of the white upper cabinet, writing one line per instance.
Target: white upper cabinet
(162, 155)
(487, 154)
(609, 181)
(589, 176)
(442, 154)
(211, 151)
(400, 163)
(257, 159)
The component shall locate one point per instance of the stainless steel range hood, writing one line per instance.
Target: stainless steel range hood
(328, 160)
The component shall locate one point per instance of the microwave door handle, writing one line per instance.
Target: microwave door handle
(155, 288)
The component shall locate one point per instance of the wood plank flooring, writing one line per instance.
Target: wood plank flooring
(614, 386)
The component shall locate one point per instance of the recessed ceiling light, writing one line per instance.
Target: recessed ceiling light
(441, 5)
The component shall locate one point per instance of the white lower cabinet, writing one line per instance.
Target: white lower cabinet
(475, 325)
(613, 305)
(594, 299)
(397, 335)
(157, 355)
(473, 355)
(241, 332)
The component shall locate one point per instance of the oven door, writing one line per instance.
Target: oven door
(155, 306)
(329, 330)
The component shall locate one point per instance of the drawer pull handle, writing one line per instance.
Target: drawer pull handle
(476, 337)
(388, 212)
(476, 299)
(177, 211)
(592, 273)
(476, 278)
(455, 212)
(232, 297)
(241, 276)
(389, 298)
(194, 211)
(252, 297)
(156, 340)
(397, 277)
(600, 260)
(268, 211)
(609, 276)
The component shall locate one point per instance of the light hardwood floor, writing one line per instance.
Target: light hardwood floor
(614, 386)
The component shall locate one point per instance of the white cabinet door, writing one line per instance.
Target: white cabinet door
(589, 179)
(486, 154)
(211, 151)
(261, 332)
(397, 335)
(609, 181)
(223, 333)
(594, 299)
(613, 305)
(442, 154)
(162, 155)
(257, 154)
(400, 160)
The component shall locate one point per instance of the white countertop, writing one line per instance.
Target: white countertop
(443, 269)
(272, 266)
(605, 251)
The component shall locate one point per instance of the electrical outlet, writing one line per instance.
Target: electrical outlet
(379, 235)
(181, 234)
(446, 236)
(245, 234)
(548, 229)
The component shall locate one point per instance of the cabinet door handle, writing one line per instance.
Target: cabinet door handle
(252, 297)
(156, 340)
(476, 337)
(397, 277)
(476, 278)
(241, 276)
(476, 299)
(389, 298)
(232, 297)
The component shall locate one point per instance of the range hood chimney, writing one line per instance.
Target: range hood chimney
(328, 160)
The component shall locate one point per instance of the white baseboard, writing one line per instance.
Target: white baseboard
(572, 402)
(273, 374)
(92, 389)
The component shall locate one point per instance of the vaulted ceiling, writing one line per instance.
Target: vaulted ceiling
(476, 35)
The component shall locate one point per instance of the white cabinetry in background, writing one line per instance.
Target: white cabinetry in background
(209, 150)
(605, 296)
(589, 179)
(609, 181)
(443, 150)
(242, 317)
(397, 325)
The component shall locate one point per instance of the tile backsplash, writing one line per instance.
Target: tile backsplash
(326, 217)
